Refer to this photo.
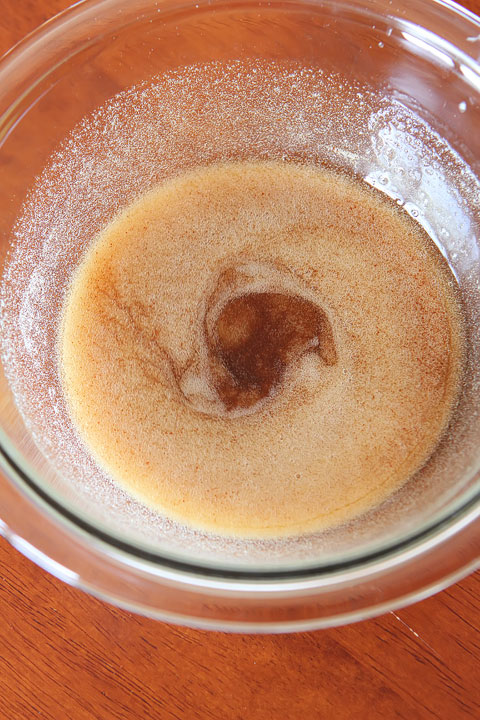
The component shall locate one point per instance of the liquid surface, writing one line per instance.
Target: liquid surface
(261, 349)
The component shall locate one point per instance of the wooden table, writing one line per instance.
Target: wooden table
(66, 656)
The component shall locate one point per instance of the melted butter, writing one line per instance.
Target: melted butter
(262, 348)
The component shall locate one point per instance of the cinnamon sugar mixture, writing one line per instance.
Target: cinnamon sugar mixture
(261, 348)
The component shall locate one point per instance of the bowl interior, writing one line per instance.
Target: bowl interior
(116, 107)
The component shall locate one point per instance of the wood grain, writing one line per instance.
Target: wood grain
(67, 656)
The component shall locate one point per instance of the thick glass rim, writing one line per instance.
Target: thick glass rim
(384, 557)
(458, 513)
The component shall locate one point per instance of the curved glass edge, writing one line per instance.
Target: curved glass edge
(195, 573)
(55, 26)
(276, 627)
(39, 32)
(51, 28)
(458, 10)
(290, 627)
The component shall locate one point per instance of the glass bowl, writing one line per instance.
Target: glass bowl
(97, 106)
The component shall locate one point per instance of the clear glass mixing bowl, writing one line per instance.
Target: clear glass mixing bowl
(394, 97)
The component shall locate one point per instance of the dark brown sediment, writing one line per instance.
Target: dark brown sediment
(251, 338)
(257, 336)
